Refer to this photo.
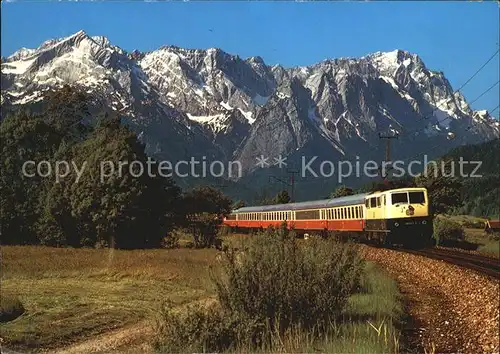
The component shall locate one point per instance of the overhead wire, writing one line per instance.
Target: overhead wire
(435, 146)
(457, 91)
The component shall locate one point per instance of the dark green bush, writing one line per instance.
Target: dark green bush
(171, 240)
(276, 285)
(281, 283)
(492, 235)
(224, 230)
(196, 329)
(205, 230)
(446, 231)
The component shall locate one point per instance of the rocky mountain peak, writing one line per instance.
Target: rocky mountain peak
(212, 101)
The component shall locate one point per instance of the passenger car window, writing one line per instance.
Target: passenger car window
(417, 197)
(399, 198)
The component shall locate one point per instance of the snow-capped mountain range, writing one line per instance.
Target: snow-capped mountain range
(185, 102)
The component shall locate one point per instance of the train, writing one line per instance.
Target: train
(391, 217)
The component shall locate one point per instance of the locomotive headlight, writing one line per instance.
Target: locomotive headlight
(424, 222)
(396, 224)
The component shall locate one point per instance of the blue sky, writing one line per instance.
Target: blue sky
(453, 37)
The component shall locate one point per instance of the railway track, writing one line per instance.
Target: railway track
(481, 264)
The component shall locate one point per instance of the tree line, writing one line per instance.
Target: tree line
(127, 211)
(448, 193)
(137, 212)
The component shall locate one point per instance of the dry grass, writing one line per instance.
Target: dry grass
(475, 236)
(72, 294)
(464, 219)
(487, 243)
(369, 323)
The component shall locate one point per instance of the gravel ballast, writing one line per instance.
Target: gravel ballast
(457, 309)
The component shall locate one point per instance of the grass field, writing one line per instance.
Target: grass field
(485, 243)
(74, 294)
(463, 219)
(372, 318)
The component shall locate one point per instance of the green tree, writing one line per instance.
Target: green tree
(342, 191)
(127, 209)
(25, 137)
(36, 133)
(444, 192)
(123, 207)
(68, 110)
(205, 199)
(282, 198)
(239, 204)
(478, 195)
(263, 197)
(204, 208)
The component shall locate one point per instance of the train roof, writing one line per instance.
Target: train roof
(324, 203)
(313, 204)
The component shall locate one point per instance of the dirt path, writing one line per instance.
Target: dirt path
(129, 339)
(456, 309)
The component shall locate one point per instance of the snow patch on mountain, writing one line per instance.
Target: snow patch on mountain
(216, 122)
(17, 67)
(205, 119)
(401, 92)
(385, 61)
(248, 116)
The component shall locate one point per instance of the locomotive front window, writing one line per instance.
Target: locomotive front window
(417, 197)
(373, 202)
(399, 198)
